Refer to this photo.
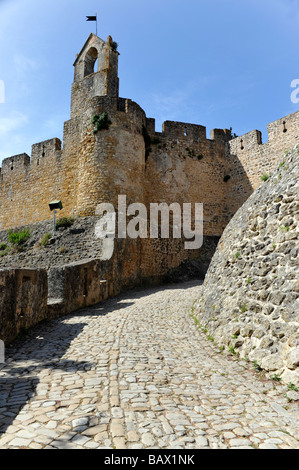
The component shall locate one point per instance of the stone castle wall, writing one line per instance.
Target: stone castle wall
(184, 166)
(250, 297)
(28, 185)
(249, 158)
(179, 164)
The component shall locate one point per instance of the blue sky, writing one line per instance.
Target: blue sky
(218, 63)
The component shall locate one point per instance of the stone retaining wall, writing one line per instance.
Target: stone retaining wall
(250, 301)
(23, 300)
(28, 296)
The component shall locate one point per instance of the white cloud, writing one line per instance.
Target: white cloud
(11, 134)
(54, 124)
(24, 65)
(179, 102)
(169, 105)
(12, 122)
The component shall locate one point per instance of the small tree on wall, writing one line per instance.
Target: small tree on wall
(233, 134)
(100, 121)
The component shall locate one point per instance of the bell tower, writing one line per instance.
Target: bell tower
(96, 72)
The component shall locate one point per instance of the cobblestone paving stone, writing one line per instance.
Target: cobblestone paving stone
(135, 372)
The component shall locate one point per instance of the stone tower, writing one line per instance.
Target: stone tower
(96, 70)
(111, 161)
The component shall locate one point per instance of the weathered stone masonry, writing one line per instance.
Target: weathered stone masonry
(128, 157)
(178, 164)
(250, 296)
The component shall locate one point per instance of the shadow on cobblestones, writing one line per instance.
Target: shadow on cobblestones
(40, 349)
(27, 356)
(14, 394)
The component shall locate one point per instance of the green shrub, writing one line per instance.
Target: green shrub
(114, 46)
(291, 386)
(45, 239)
(64, 222)
(100, 122)
(233, 134)
(265, 177)
(3, 246)
(17, 239)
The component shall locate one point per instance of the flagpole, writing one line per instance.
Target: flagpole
(94, 18)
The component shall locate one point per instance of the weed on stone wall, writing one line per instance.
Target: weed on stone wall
(100, 122)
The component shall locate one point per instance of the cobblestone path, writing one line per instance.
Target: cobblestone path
(135, 372)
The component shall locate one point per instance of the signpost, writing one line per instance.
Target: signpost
(53, 206)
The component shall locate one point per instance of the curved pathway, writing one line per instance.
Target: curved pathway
(135, 372)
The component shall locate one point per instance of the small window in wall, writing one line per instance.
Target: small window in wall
(90, 61)
(284, 127)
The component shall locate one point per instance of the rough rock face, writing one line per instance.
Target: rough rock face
(250, 297)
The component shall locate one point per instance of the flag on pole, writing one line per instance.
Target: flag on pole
(93, 18)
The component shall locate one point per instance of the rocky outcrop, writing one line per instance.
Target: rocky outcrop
(250, 297)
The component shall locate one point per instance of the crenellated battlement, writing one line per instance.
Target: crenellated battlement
(279, 131)
(47, 148)
(258, 158)
(15, 163)
(179, 130)
(20, 164)
(187, 131)
(128, 156)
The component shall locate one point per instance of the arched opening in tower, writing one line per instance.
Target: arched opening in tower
(90, 61)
